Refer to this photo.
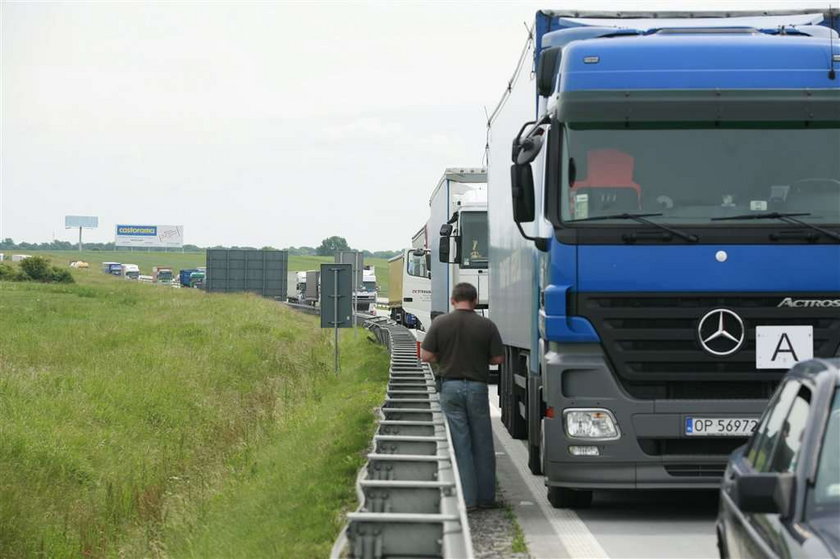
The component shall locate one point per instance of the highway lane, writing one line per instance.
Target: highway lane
(631, 524)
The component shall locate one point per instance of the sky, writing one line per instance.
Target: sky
(254, 123)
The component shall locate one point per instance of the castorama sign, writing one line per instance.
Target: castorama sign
(150, 236)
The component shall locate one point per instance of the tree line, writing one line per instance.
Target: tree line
(328, 247)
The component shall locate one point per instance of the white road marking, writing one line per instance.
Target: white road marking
(568, 527)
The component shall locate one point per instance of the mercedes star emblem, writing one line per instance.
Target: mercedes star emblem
(721, 332)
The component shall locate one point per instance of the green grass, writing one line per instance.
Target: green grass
(138, 421)
(183, 260)
(517, 545)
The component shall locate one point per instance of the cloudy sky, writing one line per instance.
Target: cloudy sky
(262, 123)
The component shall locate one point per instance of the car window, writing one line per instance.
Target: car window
(785, 453)
(770, 428)
(825, 495)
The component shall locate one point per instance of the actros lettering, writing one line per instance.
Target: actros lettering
(809, 303)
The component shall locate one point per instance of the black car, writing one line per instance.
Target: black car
(780, 495)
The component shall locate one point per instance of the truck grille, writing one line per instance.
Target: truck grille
(652, 343)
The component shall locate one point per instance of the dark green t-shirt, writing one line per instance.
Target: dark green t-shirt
(464, 343)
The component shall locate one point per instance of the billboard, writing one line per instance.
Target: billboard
(149, 236)
(88, 221)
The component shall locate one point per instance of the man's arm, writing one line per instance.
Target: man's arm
(429, 348)
(428, 356)
(497, 349)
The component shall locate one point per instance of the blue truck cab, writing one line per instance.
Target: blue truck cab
(669, 231)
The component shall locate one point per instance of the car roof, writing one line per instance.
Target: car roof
(817, 371)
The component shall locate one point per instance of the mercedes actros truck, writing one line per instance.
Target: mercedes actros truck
(664, 214)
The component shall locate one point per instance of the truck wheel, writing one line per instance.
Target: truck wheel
(536, 453)
(565, 498)
(518, 424)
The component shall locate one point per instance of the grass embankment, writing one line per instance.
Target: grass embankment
(137, 421)
(182, 260)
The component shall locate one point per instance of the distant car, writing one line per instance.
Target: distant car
(780, 495)
(81, 264)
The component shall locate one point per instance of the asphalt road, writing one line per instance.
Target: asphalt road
(632, 524)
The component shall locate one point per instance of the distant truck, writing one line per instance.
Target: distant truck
(296, 287)
(458, 240)
(184, 276)
(198, 279)
(130, 271)
(312, 291)
(162, 274)
(19, 257)
(366, 296)
(112, 268)
(409, 289)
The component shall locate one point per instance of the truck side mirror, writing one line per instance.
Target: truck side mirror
(443, 250)
(527, 149)
(547, 70)
(446, 230)
(522, 192)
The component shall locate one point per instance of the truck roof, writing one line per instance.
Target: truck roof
(465, 174)
(698, 61)
(461, 180)
(552, 20)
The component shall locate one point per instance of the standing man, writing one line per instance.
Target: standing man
(464, 344)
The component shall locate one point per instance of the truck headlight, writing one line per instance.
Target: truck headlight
(595, 424)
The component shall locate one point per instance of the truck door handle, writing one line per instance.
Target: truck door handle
(408, 299)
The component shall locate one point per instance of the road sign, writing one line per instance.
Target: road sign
(357, 259)
(336, 295)
(336, 299)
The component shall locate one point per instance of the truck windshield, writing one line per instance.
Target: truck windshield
(691, 175)
(474, 239)
(418, 264)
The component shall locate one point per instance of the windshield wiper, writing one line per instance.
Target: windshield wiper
(641, 218)
(786, 217)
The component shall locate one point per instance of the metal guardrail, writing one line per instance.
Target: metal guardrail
(411, 503)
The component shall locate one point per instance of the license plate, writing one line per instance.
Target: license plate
(720, 426)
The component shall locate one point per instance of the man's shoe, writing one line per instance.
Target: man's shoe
(493, 505)
(472, 508)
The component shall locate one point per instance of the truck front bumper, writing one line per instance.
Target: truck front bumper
(653, 449)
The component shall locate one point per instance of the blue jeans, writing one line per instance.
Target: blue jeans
(467, 411)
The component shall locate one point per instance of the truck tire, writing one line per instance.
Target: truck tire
(508, 401)
(518, 424)
(565, 498)
(535, 453)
